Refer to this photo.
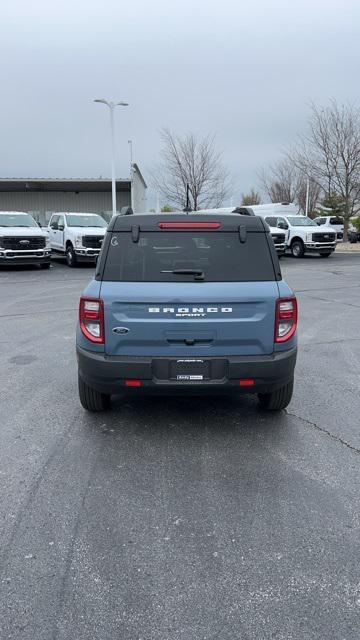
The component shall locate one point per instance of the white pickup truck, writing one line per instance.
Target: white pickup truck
(78, 236)
(304, 236)
(22, 241)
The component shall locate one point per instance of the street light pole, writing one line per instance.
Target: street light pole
(307, 196)
(112, 106)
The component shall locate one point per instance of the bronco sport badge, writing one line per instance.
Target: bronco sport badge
(190, 312)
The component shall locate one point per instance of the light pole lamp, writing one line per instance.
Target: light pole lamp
(112, 106)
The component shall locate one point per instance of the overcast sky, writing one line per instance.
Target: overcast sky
(244, 70)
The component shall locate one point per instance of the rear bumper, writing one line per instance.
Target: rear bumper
(107, 374)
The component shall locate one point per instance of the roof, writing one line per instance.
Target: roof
(150, 222)
(14, 213)
(74, 213)
(62, 184)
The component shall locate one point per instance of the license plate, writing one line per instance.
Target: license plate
(189, 369)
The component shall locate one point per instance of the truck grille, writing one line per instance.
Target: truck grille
(323, 237)
(92, 242)
(22, 243)
(279, 238)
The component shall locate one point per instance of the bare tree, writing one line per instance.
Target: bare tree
(281, 181)
(195, 162)
(330, 154)
(248, 199)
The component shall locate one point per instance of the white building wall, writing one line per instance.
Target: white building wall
(139, 204)
(42, 204)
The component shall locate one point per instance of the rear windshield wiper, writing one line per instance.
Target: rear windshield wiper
(197, 273)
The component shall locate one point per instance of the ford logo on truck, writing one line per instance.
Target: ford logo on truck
(190, 312)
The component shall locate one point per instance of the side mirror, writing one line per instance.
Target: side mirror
(61, 227)
(39, 225)
(283, 225)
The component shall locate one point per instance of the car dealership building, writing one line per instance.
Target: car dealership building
(42, 196)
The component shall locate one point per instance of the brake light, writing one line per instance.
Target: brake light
(132, 382)
(189, 225)
(91, 318)
(286, 318)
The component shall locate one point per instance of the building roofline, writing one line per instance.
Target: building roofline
(64, 179)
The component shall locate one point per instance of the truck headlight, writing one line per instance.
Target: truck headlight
(47, 242)
(78, 241)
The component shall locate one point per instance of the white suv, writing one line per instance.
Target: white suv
(77, 235)
(22, 241)
(304, 236)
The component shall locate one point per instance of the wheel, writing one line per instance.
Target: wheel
(44, 265)
(92, 400)
(325, 255)
(71, 260)
(277, 400)
(297, 249)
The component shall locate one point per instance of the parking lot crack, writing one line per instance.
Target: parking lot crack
(313, 425)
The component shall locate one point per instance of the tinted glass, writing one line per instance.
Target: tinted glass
(85, 221)
(336, 221)
(214, 257)
(54, 222)
(272, 222)
(10, 220)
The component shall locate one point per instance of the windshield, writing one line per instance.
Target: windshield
(86, 221)
(186, 257)
(11, 220)
(301, 221)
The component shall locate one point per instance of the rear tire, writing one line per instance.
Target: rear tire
(44, 265)
(325, 255)
(91, 399)
(297, 249)
(277, 400)
(71, 259)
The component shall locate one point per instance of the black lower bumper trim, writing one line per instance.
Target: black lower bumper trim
(31, 260)
(107, 374)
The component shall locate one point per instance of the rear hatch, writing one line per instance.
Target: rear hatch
(182, 293)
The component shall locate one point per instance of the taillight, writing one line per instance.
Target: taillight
(286, 317)
(91, 318)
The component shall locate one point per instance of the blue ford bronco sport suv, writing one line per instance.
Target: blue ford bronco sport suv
(190, 304)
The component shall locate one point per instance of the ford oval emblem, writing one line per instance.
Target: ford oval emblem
(120, 330)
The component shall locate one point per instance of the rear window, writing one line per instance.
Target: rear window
(188, 256)
(336, 221)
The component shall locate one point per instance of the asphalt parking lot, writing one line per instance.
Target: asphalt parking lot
(169, 519)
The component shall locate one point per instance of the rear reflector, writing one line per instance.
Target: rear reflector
(246, 382)
(132, 383)
(189, 225)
